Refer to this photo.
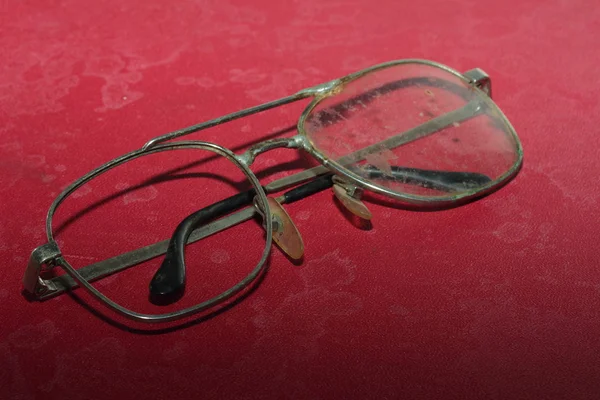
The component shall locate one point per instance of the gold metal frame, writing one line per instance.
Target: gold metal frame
(48, 256)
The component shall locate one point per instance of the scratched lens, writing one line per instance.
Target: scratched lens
(140, 203)
(415, 129)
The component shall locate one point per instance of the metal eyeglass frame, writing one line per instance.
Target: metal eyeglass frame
(48, 256)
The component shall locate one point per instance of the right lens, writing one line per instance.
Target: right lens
(414, 115)
(141, 202)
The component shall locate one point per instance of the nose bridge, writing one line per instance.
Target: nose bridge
(247, 158)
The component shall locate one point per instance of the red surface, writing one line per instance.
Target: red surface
(497, 299)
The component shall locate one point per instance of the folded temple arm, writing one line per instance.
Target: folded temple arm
(168, 283)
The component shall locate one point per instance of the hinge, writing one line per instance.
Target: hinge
(479, 78)
(41, 258)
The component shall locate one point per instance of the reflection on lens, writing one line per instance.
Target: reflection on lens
(140, 203)
(414, 116)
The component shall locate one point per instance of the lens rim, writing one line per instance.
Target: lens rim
(262, 202)
(407, 198)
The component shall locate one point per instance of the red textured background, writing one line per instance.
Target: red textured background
(497, 299)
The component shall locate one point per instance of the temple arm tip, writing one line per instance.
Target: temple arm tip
(168, 284)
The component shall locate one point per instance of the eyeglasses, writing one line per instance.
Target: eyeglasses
(416, 132)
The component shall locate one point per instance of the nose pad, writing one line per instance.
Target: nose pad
(285, 234)
(352, 204)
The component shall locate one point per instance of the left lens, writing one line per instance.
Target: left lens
(414, 116)
(141, 202)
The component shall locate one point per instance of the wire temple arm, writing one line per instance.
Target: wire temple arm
(168, 283)
(107, 267)
(444, 181)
